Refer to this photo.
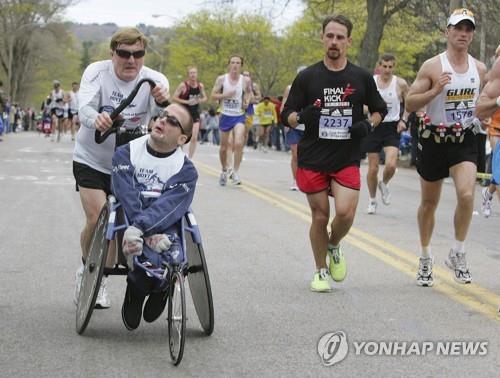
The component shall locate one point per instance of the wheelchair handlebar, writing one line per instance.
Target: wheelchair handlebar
(100, 138)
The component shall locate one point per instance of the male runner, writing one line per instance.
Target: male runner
(328, 97)
(234, 93)
(104, 85)
(393, 90)
(447, 85)
(192, 93)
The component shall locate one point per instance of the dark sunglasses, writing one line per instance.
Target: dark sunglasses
(127, 54)
(165, 117)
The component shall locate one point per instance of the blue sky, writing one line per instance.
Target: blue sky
(133, 12)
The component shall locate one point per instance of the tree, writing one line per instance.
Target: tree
(19, 19)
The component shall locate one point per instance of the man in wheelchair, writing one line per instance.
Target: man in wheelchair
(154, 181)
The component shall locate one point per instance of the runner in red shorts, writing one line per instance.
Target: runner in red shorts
(328, 97)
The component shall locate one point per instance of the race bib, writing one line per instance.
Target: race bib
(335, 127)
(459, 115)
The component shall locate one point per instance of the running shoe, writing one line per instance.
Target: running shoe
(223, 179)
(235, 179)
(294, 187)
(132, 308)
(457, 262)
(78, 282)
(102, 301)
(384, 192)
(424, 275)
(486, 205)
(337, 264)
(372, 207)
(154, 306)
(320, 282)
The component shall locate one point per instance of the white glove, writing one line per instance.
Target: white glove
(132, 241)
(158, 242)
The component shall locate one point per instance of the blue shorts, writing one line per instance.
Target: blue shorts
(293, 136)
(495, 165)
(250, 110)
(227, 123)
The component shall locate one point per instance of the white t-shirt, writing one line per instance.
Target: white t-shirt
(101, 90)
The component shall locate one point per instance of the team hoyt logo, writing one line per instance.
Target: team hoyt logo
(333, 97)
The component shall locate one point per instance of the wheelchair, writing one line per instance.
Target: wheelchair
(171, 276)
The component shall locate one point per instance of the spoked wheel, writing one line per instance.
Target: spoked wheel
(176, 317)
(93, 272)
(199, 284)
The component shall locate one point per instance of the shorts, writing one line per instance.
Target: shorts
(87, 177)
(72, 113)
(59, 113)
(384, 135)
(227, 123)
(495, 165)
(435, 159)
(293, 136)
(311, 182)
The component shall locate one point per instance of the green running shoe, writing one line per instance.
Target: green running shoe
(320, 282)
(337, 265)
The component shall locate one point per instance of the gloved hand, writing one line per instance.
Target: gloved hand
(158, 242)
(132, 241)
(310, 114)
(361, 129)
(476, 126)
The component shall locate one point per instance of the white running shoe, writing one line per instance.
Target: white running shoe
(457, 262)
(78, 282)
(103, 301)
(486, 205)
(385, 193)
(294, 187)
(223, 179)
(424, 275)
(372, 207)
(235, 179)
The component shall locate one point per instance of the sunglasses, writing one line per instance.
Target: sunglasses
(127, 54)
(163, 116)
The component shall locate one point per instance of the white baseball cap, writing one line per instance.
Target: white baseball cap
(459, 15)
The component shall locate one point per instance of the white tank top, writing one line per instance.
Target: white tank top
(390, 96)
(457, 101)
(232, 106)
(56, 98)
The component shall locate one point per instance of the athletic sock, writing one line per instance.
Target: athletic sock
(426, 252)
(458, 246)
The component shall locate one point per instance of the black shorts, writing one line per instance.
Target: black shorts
(87, 177)
(58, 113)
(71, 113)
(384, 135)
(435, 159)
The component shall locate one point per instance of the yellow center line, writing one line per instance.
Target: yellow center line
(473, 296)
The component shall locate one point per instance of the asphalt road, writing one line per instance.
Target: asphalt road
(267, 322)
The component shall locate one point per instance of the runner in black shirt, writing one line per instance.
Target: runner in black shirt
(328, 97)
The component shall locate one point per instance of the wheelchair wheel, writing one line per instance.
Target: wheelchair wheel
(176, 317)
(93, 272)
(199, 284)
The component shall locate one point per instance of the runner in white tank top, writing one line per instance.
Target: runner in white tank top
(385, 136)
(447, 85)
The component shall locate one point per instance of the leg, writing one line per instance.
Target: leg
(464, 176)
(372, 175)
(223, 150)
(391, 158)
(318, 234)
(194, 139)
(239, 141)
(430, 194)
(346, 202)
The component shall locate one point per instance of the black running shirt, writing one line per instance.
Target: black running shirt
(326, 146)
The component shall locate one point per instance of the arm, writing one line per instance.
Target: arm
(376, 104)
(89, 98)
(173, 203)
(403, 92)
(247, 92)
(275, 115)
(425, 87)
(204, 97)
(217, 90)
(285, 97)
(295, 102)
(176, 97)
(489, 100)
(256, 94)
